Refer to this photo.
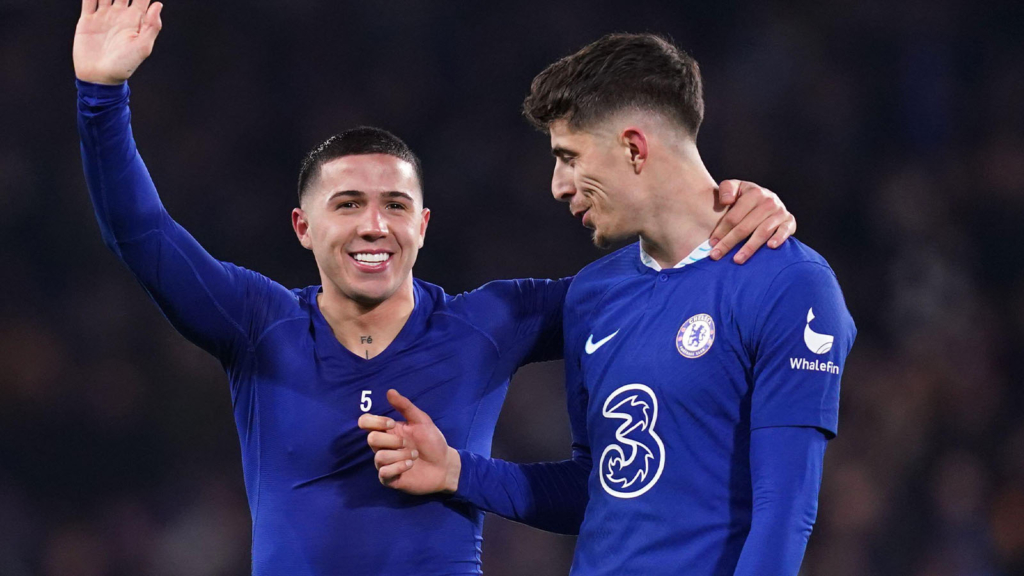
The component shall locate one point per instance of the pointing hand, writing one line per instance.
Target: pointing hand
(411, 456)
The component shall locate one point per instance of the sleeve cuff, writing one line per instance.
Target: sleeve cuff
(469, 460)
(101, 94)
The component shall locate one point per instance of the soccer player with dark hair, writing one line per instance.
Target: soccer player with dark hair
(701, 395)
(304, 364)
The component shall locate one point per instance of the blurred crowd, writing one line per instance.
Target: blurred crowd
(894, 130)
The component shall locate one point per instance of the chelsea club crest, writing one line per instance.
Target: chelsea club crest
(696, 336)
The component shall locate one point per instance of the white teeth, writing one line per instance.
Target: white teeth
(371, 258)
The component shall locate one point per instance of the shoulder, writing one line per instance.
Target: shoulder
(266, 303)
(262, 292)
(591, 287)
(793, 261)
(507, 311)
(511, 295)
(596, 278)
(788, 283)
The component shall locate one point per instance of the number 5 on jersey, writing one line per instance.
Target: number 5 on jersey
(364, 401)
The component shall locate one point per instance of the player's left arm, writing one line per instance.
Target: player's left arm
(522, 317)
(539, 333)
(785, 474)
(754, 213)
(799, 341)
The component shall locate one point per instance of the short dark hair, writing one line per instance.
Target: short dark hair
(355, 142)
(618, 71)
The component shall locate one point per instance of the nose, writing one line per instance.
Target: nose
(373, 225)
(562, 186)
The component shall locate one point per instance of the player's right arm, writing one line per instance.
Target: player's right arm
(551, 496)
(413, 456)
(202, 297)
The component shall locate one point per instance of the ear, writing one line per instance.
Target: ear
(636, 147)
(425, 214)
(301, 226)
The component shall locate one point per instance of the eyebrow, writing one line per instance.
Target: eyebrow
(347, 194)
(399, 194)
(563, 153)
(361, 194)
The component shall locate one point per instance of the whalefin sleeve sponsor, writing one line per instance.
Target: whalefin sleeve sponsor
(802, 336)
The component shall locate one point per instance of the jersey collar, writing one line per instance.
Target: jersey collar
(699, 253)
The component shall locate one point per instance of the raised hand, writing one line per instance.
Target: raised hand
(756, 212)
(112, 39)
(411, 456)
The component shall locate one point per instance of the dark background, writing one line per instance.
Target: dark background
(893, 130)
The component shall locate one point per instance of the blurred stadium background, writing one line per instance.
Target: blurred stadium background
(893, 130)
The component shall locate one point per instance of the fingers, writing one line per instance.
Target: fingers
(389, 457)
(120, 2)
(384, 441)
(728, 191)
(787, 229)
(151, 23)
(746, 219)
(140, 5)
(407, 409)
(392, 472)
(88, 7)
(761, 235)
(743, 198)
(371, 422)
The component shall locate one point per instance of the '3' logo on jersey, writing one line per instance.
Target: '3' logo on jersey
(632, 465)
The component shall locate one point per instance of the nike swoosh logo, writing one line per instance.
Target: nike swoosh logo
(592, 346)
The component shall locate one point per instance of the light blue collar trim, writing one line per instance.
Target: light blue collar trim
(699, 253)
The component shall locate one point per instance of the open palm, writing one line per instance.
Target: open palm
(112, 39)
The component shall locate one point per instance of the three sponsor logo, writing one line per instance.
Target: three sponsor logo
(633, 463)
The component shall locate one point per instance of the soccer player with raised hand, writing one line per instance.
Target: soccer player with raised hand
(305, 364)
(701, 394)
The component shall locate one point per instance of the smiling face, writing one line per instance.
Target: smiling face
(594, 175)
(364, 220)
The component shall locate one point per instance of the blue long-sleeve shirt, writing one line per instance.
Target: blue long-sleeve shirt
(315, 501)
(785, 471)
(707, 394)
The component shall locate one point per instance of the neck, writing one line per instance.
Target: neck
(366, 329)
(684, 209)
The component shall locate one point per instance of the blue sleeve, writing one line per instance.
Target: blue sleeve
(802, 335)
(785, 473)
(551, 496)
(214, 304)
(522, 317)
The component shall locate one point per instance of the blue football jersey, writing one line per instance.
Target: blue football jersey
(316, 503)
(668, 372)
